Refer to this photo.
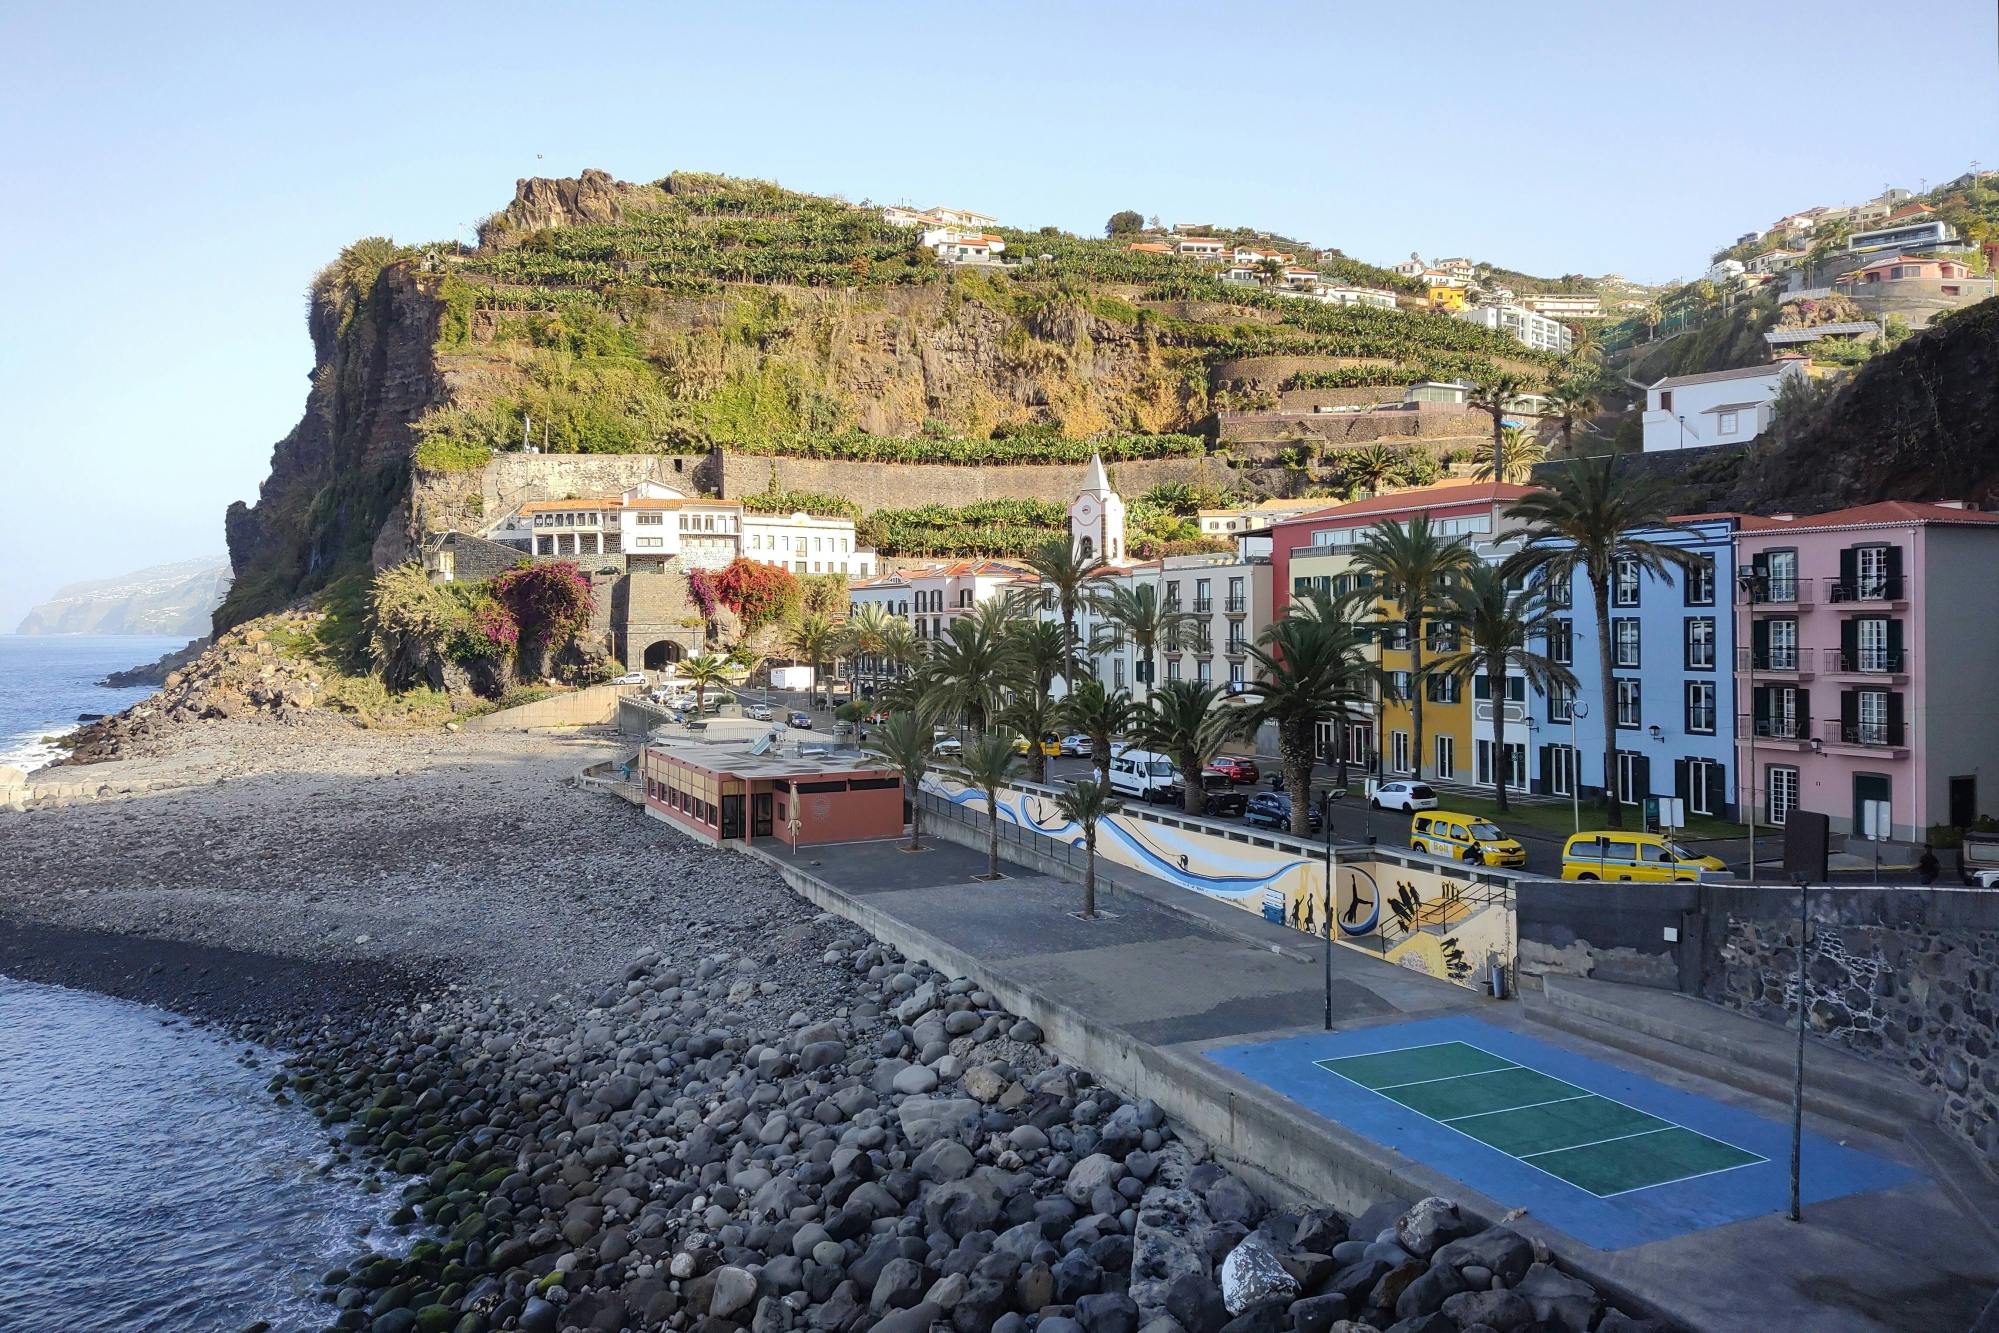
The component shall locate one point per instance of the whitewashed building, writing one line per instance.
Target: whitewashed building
(1722, 407)
(1536, 331)
(649, 526)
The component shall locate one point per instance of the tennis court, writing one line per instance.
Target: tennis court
(1581, 1137)
(1583, 1143)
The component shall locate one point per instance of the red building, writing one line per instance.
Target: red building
(1475, 509)
(724, 793)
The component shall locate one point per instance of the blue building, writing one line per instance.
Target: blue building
(1673, 659)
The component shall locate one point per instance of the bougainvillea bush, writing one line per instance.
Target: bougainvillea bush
(759, 594)
(550, 604)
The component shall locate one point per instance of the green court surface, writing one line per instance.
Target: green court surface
(1577, 1136)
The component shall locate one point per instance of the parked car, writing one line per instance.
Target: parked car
(1077, 745)
(1645, 858)
(1140, 773)
(947, 745)
(1237, 768)
(1464, 838)
(630, 678)
(1978, 852)
(1410, 796)
(1051, 745)
(799, 719)
(757, 712)
(1219, 796)
(1272, 809)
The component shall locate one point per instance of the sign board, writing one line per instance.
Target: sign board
(1672, 812)
(1876, 820)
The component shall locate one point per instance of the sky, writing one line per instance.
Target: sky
(179, 172)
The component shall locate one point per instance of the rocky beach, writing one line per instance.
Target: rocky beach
(621, 1081)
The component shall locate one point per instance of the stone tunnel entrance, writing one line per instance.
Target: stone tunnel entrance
(660, 654)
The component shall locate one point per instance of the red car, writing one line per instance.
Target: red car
(1236, 768)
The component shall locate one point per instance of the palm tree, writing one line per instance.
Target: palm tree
(1370, 467)
(1083, 804)
(1408, 566)
(1041, 652)
(1031, 714)
(1151, 623)
(1182, 719)
(1499, 627)
(1493, 393)
(813, 638)
(987, 764)
(1583, 518)
(966, 672)
(701, 671)
(1101, 714)
(900, 647)
(1523, 450)
(866, 633)
(1271, 271)
(903, 743)
(1570, 400)
(1309, 670)
(1065, 575)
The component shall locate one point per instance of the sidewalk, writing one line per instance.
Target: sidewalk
(1146, 995)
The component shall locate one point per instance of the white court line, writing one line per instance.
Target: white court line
(1614, 1138)
(1448, 1078)
(1557, 1101)
(1670, 1124)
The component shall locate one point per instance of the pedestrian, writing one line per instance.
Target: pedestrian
(1927, 866)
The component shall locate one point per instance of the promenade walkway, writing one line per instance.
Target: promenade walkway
(1219, 1016)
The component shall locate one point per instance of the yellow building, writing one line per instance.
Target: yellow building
(1447, 298)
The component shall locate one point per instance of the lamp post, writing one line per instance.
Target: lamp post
(1577, 708)
(1750, 581)
(1326, 917)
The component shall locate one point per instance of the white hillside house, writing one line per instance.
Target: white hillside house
(1723, 407)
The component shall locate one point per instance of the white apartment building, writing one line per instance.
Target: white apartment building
(648, 526)
(930, 596)
(1256, 517)
(1536, 331)
(1566, 305)
(1723, 407)
(1229, 596)
(1367, 296)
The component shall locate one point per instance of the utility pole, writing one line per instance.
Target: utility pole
(1798, 1075)
(1326, 917)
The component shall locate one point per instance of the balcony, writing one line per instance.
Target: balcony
(1236, 606)
(1234, 648)
(1872, 737)
(1790, 663)
(1203, 605)
(1794, 731)
(1893, 664)
(1869, 593)
(1782, 594)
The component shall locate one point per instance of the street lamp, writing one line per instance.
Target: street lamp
(1577, 708)
(1751, 582)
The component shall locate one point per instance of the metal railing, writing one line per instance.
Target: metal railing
(1235, 606)
(1886, 735)
(1782, 592)
(1873, 661)
(1203, 605)
(1774, 728)
(1784, 660)
(1883, 588)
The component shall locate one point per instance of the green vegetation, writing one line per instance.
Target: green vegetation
(856, 447)
(801, 502)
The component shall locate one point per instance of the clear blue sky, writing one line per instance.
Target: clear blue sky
(176, 173)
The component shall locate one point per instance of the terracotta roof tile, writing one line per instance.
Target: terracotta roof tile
(1879, 513)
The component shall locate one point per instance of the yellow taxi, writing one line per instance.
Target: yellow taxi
(1051, 745)
(1464, 838)
(1644, 858)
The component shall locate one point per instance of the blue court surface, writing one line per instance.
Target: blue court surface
(1611, 1157)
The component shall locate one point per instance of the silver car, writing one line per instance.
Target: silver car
(1077, 745)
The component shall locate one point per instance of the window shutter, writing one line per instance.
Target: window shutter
(1849, 707)
(1760, 562)
(1849, 567)
(1894, 561)
(1894, 642)
(1759, 638)
(1805, 711)
(1681, 788)
(1849, 643)
(1540, 784)
(1759, 703)
(1641, 777)
(1895, 718)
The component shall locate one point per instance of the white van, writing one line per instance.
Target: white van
(1140, 773)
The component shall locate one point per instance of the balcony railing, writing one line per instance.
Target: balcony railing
(1234, 647)
(1781, 661)
(1774, 728)
(1870, 661)
(1785, 591)
(1235, 606)
(1203, 605)
(1884, 735)
(1882, 588)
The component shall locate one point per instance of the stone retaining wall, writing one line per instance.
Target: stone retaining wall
(874, 486)
(594, 705)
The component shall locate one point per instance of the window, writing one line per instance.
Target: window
(1665, 400)
(1447, 756)
(1780, 576)
(1629, 713)
(1628, 766)
(1700, 707)
(1780, 652)
(1703, 781)
(1235, 672)
(1562, 642)
(1235, 636)
(1117, 673)
(1396, 636)
(1561, 702)
(1559, 593)
(1781, 785)
(1624, 587)
(1398, 751)
(1443, 689)
(1870, 564)
(1401, 685)
(1727, 422)
(1204, 671)
(1871, 646)
(1561, 773)
(1624, 642)
(1236, 602)
(1699, 583)
(1871, 710)
(1700, 643)
(1172, 668)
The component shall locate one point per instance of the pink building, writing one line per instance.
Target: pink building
(1865, 688)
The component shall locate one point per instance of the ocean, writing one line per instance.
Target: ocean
(149, 1181)
(46, 680)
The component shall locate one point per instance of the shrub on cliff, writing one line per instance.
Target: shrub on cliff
(410, 623)
(550, 604)
(759, 594)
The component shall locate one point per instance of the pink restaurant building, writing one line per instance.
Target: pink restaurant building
(1869, 659)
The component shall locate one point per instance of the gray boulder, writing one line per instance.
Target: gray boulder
(1505, 1311)
(1504, 1252)
(1317, 1314)
(1427, 1294)
(1252, 1275)
(1560, 1300)
(735, 1288)
(1431, 1223)
(1229, 1200)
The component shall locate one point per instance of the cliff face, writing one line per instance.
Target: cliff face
(332, 503)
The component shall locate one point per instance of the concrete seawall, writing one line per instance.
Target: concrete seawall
(592, 706)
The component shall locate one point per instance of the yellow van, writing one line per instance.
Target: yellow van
(1464, 838)
(1646, 858)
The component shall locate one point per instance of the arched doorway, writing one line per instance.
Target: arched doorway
(660, 654)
